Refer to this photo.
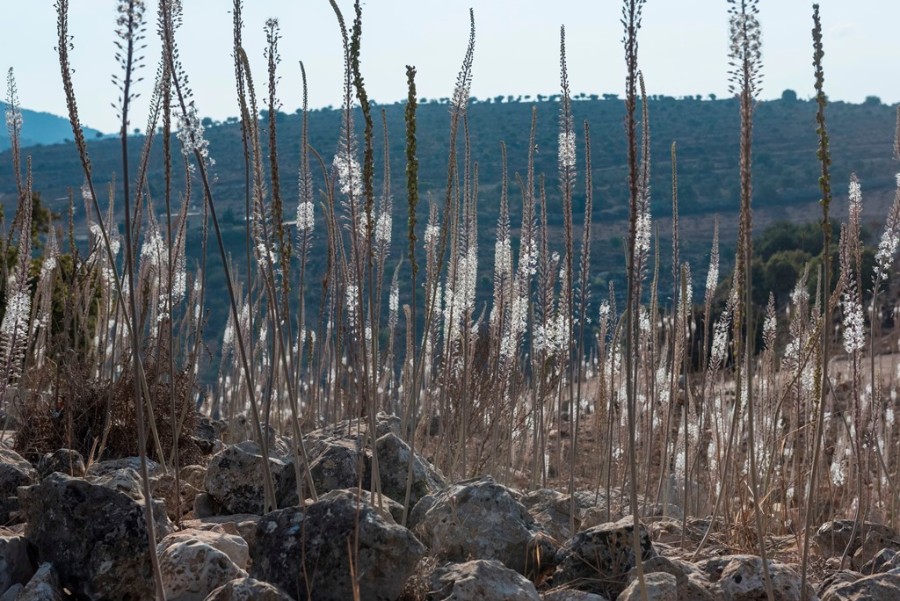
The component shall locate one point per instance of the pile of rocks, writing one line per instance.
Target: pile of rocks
(76, 533)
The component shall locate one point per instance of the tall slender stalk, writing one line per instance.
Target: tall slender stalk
(631, 13)
(825, 186)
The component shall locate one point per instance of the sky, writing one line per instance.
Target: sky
(683, 47)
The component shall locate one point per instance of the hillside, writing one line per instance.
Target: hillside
(706, 131)
(42, 128)
(785, 166)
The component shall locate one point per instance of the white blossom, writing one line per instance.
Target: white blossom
(190, 134)
(394, 299)
(383, 229)
(643, 232)
(503, 256)
(432, 235)
(349, 174)
(854, 324)
(305, 217)
(567, 150)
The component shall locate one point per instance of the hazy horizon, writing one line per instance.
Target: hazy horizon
(683, 51)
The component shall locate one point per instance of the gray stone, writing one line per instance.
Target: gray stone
(67, 461)
(340, 463)
(878, 587)
(232, 545)
(740, 577)
(104, 468)
(570, 594)
(480, 519)
(15, 471)
(178, 503)
(247, 589)
(597, 560)
(660, 586)
(833, 537)
(234, 479)
(689, 582)
(94, 535)
(308, 548)
(15, 565)
(553, 511)
(394, 456)
(43, 586)
(191, 569)
(479, 580)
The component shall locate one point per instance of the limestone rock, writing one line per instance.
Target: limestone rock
(195, 475)
(306, 548)
(242, 525)
(234, 479)
(191, 569)
(879, 587)
(564, 593)
(104, 468)
(553, 511)
(356, 428)
(336, 463)
(741, 577)
(94, 535)
(597, 560)
(15, 471)
(15, 565)
(884, 561)
(690, 585)
(394, 456)
(478, 580)
(247, 589)
(480, 519)
(660, 587)
(393, 508)
(43, 586)
(833, 537)
(232, 545)
(67, 461)
(179, 502)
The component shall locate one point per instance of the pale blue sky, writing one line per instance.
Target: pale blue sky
(683, 47)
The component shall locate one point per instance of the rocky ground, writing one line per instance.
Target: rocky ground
(77, 533)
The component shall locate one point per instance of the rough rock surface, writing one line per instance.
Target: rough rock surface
(553, 511)
(480, 519)
(15, 471)
(104, 468)
(884, 561)
(191, 569)
(67, 461)
(230, 544)
(394, 456)
(690, 585)
(570, 594)
(306, 548)
(354, 428)
(163, 487)
(597, 560)
(44, 586)
(393, 508)
(661, 586)
(880, 587)
(234, 478)
(740, 577)
(247, 589)
(336, 463)
(94, 535)
(833, 537)
(15, 565)
(478, 580)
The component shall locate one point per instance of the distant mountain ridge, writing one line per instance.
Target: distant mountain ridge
(41, 128)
